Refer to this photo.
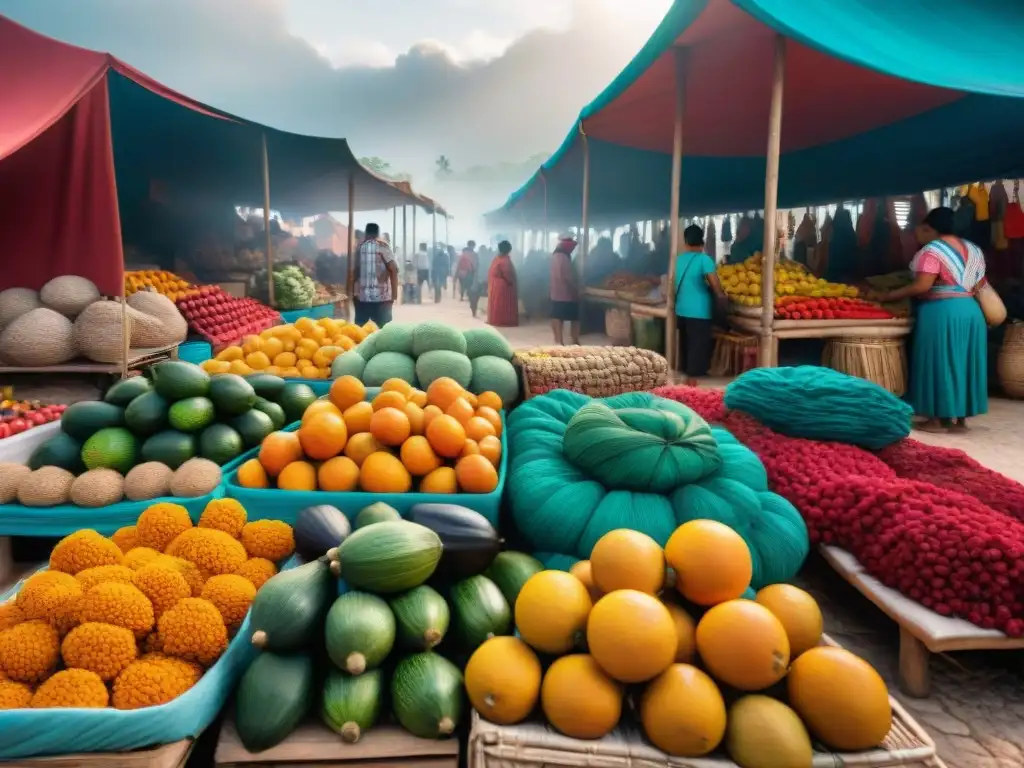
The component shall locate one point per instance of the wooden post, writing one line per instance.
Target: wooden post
(677, 178)
(433, 235)
(266, 222)
(415, 242)
(766, 349)
(394, 229)
(584, 227)
(405, 241)
(350, 278)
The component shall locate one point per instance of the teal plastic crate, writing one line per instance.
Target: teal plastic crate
(320, 310)
(195, 352)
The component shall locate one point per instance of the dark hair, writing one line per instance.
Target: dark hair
(693, 236)
(372, 230)
(471, 244)
(423, 246)
(941, 220)
(505, 247)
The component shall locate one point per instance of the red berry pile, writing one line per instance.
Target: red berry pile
(709, 404)
(18, 417)
(831, 308)
(223, 319)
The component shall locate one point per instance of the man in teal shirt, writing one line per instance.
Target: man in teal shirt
(697, 290)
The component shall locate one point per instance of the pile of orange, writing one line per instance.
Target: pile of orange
(444, 440)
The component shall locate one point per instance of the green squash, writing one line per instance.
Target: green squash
(351, 705)
(289, 609)
(388, 557)
(378, 512)
(510, 570)
(422, 617)
(479, 611)
(273, 698)
(359, 632)
(426, 695)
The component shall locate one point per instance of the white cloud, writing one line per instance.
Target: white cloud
(359, 53)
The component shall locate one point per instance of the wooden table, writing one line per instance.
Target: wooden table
(822, 329)
(169, 756)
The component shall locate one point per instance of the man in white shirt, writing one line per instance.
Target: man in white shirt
(422, 268)
(376, 279)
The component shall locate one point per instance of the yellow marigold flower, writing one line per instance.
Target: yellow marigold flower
(125, 538)
(164, 586)
(55, 601)
(36, 584)
(14, 695)
(101, 648)
(90, 577)
(152, 644)
(213, 552)
(232, 595)
(193, 630)
(270, 539)
(187, 670)
(226, 515)
(258, 570)
(120, 604)
(195, 578)
(149, 683)
(10, 614)
(29, 651)
(77, 688)
(84, 549)
(160, 523)
(141, 557)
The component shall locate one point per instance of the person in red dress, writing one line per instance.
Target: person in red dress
(502, 293)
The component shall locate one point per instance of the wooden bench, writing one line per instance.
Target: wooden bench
(922, 631)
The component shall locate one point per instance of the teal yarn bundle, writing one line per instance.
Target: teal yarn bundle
(821, 404)
(579, 468)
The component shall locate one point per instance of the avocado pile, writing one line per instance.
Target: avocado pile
(163, 434)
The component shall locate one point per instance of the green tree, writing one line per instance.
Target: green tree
(444, 167)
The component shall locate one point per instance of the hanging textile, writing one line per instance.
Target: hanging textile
(842, 251)
(711, 239)
(805, 239)
(727, 229)
(866, 223)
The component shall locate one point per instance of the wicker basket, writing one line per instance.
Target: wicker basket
(1010, 363)
(617, 326)
(883, 361)
(593, 371)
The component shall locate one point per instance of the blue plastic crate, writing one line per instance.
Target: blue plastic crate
(195, 351)
(316, 312)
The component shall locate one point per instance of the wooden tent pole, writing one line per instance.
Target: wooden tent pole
(766, 350)
(350, 278)
(405, 242)
(671, 353)
(433, 237)
(394, 229)
(266, 222)
(584, 227)
(415, 242)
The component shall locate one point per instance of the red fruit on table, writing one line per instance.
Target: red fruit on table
(5, 430)
(18, 425)
(39, 418)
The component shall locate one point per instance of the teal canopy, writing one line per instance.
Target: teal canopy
(880, 99)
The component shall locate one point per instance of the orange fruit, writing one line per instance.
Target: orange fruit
(476, 474)
(712, 562)
(419, 397)
(357, 417)
(361, 445)
(489, 400)
(401, 386)
(390, 426)
(323, 436)
(460, 410)
(338, 474)
(418, 457)
(441, 480)
(346, 391)
(252, 475)
(297, 476)
(490, 448)
(384, 473)
(477, 428)
(278, 450)
(417, 419)
(430, 412)
(470, 449)
(442, 392)
(470, 398)
(389, 400)
(491, 416)
(446, 436)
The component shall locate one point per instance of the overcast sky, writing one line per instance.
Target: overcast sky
(481, 81)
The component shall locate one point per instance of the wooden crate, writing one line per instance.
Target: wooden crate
(315, 745)
(168, 756)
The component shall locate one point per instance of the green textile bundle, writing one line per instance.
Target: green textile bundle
(580, 467)
(821, 404)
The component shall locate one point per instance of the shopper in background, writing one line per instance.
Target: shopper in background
(422, 268)
(376, 279)
(697, 290)
(565, 302)
(465, 273)
(502, 291)
(439, 272)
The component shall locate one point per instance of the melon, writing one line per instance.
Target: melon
(682, 712)
(348, 364)
(551, 611)
(159, 322)
(632, 635)
(765, 733)
(394, 337)
(40, 337)
(69, 294)
(481, 342)
(11, 475)
(627, 559)
(842, 699)
(798, 612)
(97, 488)
(433, 335)
(388, 365)
(46, 487)
(711, 561)
(99, 333)
(742, 644)
(15, 302)
(441, 363)
(492, 374)
(579, 699)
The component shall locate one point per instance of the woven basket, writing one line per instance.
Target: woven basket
(1010, 363)
(617, 326)
(593, 371)
(883, 361)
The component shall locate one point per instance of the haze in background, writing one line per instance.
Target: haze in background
(493, 86)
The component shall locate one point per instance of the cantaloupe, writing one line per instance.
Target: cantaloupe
(159, 323)
(39, 337)
(764, 733)
(627, 559)
(196, 477)
(69, 294)
(148, 480)
(683, 712)
(840, 697)
(99, 331)
(631, 635)
(46, 487)
(579, 699)
(97, 488)
(15, 302)
(742, 644)
(711, 561)
(11, 475)
(551, 611)
(798, 612)
(503, 678)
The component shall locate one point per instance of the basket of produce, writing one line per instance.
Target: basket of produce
(742, 282)
(399, 448)
(1010, 361)
(617, 326)
(223, 319)
(594, 371)
(138, 639)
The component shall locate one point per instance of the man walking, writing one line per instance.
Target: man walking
(376, 279)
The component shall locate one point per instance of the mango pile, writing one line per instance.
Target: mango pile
(742, 282)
